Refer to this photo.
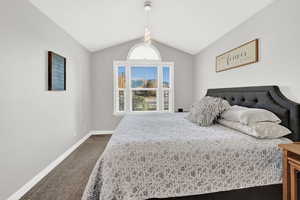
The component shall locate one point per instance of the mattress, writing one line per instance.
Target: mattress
(162, 155)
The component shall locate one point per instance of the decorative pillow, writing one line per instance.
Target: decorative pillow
(268, 130)
(206, 110)
(248, 116)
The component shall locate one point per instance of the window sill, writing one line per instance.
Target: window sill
(117, 114)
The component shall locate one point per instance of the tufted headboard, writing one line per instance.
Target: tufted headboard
(266, 97)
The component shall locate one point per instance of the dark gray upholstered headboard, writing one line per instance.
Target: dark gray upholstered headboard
(266, 97)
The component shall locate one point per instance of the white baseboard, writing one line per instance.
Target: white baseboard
(97, 132)
(23, 190)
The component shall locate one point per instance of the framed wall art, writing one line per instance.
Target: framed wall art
(56, 72)
(243, 55)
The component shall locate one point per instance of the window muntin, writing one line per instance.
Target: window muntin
(148, 87)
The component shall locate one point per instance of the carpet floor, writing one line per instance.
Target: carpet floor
(67, 181)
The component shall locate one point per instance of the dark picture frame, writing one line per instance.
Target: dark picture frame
(56, 72)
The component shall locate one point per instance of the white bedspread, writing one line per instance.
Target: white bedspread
(164, 155)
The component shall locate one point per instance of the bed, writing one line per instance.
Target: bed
(165, 156)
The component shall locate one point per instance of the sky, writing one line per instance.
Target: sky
(146, 73)
(143, 73)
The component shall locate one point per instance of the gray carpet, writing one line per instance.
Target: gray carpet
(67, 181)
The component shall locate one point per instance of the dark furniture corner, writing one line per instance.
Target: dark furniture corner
(291, 167)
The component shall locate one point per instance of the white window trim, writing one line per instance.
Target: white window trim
(160, 89)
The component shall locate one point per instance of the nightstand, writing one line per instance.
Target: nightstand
(291, 165)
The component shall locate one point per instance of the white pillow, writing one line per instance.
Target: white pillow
(249, 116)
(268, 130)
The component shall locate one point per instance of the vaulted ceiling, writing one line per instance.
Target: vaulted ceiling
(189, 25)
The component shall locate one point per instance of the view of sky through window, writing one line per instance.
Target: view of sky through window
(166, 77)
(144, 77)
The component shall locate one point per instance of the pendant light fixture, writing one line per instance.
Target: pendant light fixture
(147, 35)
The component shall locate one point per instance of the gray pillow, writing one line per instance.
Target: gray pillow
(205, 111)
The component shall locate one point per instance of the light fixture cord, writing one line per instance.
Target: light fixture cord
(147, 36)
(148, 19)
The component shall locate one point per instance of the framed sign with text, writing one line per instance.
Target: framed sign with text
(243, 55)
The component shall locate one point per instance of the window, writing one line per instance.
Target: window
(121, 88)
(143, 52)
(166, 87)
(143, 83)
(143, 86)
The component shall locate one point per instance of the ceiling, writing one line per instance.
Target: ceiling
(189, 25)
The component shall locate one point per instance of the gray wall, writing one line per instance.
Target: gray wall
(102, 80)
(278, 29)
(37, 126)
